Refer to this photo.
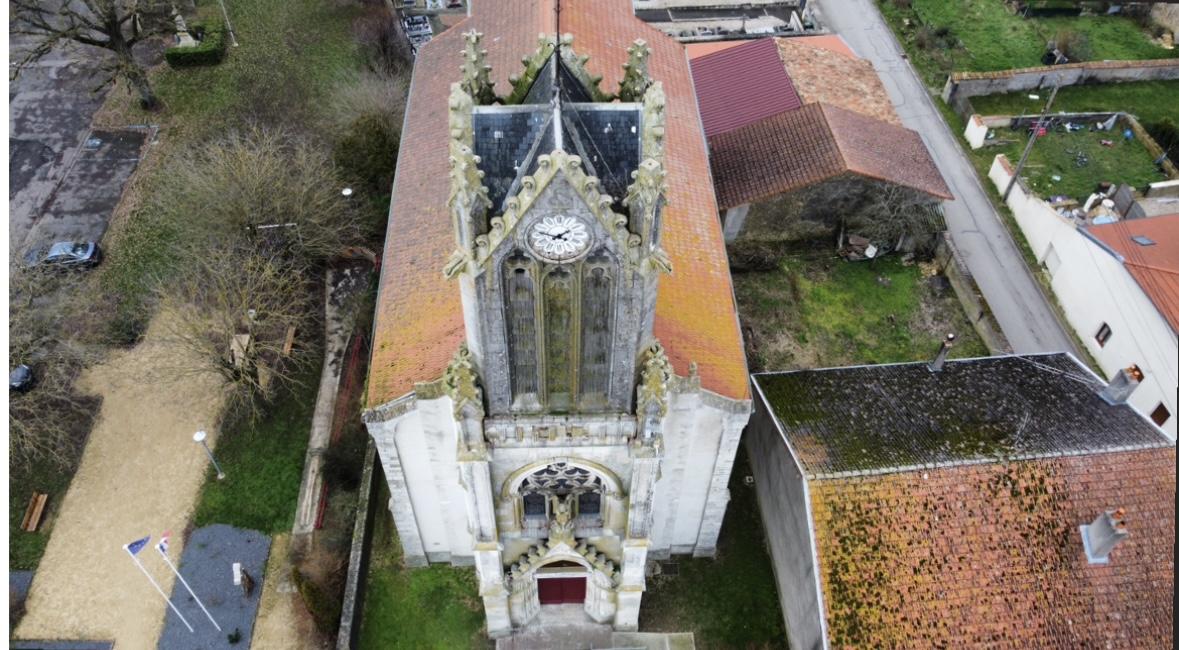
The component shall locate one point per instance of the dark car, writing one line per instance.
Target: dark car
(66, 254)
(21, 378)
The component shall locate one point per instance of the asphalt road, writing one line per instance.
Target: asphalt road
(1018, 303)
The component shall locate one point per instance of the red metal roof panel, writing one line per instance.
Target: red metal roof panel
(741, 85)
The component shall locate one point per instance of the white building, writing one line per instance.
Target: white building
(1118, 285)
(558, 384)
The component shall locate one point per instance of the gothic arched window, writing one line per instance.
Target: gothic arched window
(596, 341)
(521, 318)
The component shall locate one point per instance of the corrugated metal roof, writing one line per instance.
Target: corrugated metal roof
(1156, 266)
(742, 85)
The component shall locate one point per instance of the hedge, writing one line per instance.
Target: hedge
(210, 50)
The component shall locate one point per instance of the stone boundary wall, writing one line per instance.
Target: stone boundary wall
(949, 261)
(963, 85)
(358, 556)
(1035, 217)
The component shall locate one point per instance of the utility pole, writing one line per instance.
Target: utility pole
(1031, 141)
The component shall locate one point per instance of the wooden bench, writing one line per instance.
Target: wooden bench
(34, 512)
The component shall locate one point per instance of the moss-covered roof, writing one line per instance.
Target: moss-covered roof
(871, 419)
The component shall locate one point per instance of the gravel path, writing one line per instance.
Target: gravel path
(140, 475)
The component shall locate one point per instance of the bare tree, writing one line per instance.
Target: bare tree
(113, 25)
(264, 186)
(892, 212)
(230, 315)
(49, 420)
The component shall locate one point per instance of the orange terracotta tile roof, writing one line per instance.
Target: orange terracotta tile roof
(794, 149)
(829, 42)
(697, 50)
(990, 555)
(419, 320)
(822, 75)
(1154, 267)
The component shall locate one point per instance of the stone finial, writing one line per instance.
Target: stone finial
(651, 402)
(645, 197)
(461, 379)
(476, 73)
(468, 197)
(533, 63)
(635, 79)
(460, 107)
(654, 101)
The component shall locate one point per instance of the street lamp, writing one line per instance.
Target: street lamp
(199, 438)
(347, 192)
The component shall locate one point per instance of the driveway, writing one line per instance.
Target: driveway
(1015, 298)
(64, 179)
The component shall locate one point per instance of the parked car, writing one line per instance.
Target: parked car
(66, 254)
(21, 378)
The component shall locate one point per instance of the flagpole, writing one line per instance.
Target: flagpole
(157, 586)
(185, 583)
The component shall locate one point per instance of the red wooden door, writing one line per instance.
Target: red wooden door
(556, 591)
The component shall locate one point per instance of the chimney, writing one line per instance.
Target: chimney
(1103, 534)
(1123, 383)
(940, 359)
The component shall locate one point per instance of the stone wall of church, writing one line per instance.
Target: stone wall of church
(418, 453)
(700, 435)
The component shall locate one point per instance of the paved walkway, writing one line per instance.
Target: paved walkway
(207, 567)
(140, 474)
(1019, 305)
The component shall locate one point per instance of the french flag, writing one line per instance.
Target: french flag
(162, 547)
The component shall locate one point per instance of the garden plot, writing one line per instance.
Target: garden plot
(1072, 164)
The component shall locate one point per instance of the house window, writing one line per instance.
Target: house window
(1160, 414)
(1103, 334)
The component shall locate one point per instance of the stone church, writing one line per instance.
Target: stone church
(558, 384)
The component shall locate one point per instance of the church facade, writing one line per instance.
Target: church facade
(542, 410)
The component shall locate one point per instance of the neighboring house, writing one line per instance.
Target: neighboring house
(971, 503)
(558, 385)
(1118, 286)
(802, 136)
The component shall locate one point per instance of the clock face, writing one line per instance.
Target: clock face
(559, 238)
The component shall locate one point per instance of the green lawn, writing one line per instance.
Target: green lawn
(1055, 154)
(984, 35)
(263, 465)
(24, 548)
(436, 607)
(730, 601)
(817, 310)
(291, 53)
(1149, 101)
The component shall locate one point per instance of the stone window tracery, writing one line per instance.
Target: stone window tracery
(575, 485)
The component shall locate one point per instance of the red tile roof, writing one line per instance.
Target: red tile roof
(742, 85)
(419, 319)
(991, 556)
(794, 149)
(829, 42)
(832, 77)
(1155, 267)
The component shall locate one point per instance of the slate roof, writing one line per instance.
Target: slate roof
(990, 555)
(1156, 267)
(794, 149)
(742, 85)
(893, 417)
(419, 320)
